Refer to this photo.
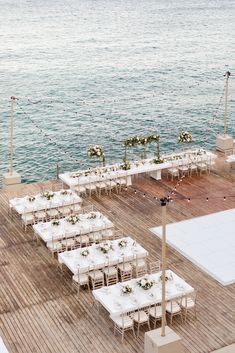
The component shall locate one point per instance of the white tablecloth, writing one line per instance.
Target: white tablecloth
(74, 260)
(231, 158)
(48, 232)
(116, 303)
(144, 166)
(23, 205)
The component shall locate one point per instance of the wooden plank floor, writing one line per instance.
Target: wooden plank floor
(40, 313)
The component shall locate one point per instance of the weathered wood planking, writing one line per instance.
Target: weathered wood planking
(39, 312)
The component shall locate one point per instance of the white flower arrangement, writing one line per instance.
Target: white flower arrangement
(56, 222)
(73, 219)
(31, 198)
(122, 244)
(96, 151)
(85, 253)
(126, 289)
(185, 137)
(145, 283)
(48, 195)
(92, 215)
(105, 248)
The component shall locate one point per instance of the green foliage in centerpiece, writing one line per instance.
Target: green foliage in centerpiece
(92, 215)
(127, 289)
(73, 219)
(31, 198)
(105, 248)
(85, 253)
(145, 283)
(48, 195)
(56, 222)
(185, 137)
(122, 243)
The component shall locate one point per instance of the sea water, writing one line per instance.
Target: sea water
(98, 71)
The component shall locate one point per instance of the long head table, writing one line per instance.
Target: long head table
(136, 167)
(48, 232)
(117, 303)
(97, 259)
(39, 202)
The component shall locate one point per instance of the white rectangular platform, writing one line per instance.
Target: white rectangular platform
(207, 241)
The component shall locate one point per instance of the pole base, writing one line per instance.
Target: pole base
(11, 181)
(224, 143)
(170, 343)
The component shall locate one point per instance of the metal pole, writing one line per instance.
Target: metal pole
(57, 171)
(12, 135)
(163, 204)
(227, 74)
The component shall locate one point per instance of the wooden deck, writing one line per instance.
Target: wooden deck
(39, 312)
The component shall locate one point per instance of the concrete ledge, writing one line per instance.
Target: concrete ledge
(155, 343)
(228, 349)
(11, 181)
(224, 143)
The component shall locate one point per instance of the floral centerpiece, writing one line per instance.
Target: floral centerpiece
(92, 215)
(167, 277)
(73, 219)
(97, 151)
(105, 248)
(145, 283)
(65, 192)
(185, 137)
(55, 222)
(31, 198)
(85, 253)
(126, 290)
(126, 165)
(122, 244)
(48, 195)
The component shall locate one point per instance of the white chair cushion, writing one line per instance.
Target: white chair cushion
(121, 181)
(123, 322)
(140, 316)
(84, 239)
(97, 274)
(157, 313)
(174, 309)
(52, 212)
(111, 271)
(173, 170)
(80, 188)
(125, 267)
(40, 214)
(139, 263)
(187, 303)
(55, 245)
(101, 185)
(27, 217)
(81, 279)
(91, 187)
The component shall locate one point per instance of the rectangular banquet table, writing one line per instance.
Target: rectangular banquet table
(144, 166)
(117, 303)
(48, 232)
(74, 259)
(24, 205)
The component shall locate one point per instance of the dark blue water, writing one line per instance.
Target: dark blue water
(95, 72)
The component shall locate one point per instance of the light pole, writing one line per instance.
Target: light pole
(11, 135)
(227, 75)
(163, 202)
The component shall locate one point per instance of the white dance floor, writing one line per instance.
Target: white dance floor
(207, 241)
